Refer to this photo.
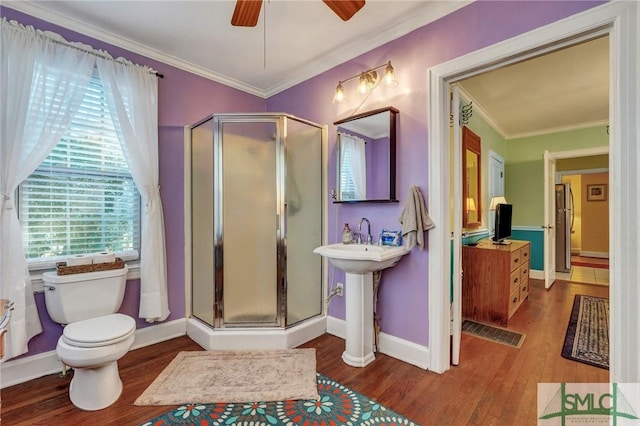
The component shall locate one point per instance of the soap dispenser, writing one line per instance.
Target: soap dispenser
(347, 235)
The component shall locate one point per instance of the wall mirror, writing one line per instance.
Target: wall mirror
(471, 183)
(366, 157)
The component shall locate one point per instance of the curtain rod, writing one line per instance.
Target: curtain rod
(52, 36)
(103, 56)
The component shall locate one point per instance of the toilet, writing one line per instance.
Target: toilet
(94, 337)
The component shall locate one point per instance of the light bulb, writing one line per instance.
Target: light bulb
(363, 85)
(389, 77)
(339, 96)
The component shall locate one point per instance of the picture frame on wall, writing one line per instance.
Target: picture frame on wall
(597, 192)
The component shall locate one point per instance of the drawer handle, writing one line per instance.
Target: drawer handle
(524, 271)
(525, 254)
(515, 280)
(516, 260)
(524, 288)
(515, 299)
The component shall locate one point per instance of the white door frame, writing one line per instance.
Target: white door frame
(621, 21)
(549, 246)
(550, 179)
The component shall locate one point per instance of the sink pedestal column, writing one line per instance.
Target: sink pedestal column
(359, 313)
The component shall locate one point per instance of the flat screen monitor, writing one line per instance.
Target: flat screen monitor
(503, 223)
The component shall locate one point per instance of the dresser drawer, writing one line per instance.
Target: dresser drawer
(515, 280)
(516, 258)
(514, 301)
(524, 253)
(524, 272)
(524, 289)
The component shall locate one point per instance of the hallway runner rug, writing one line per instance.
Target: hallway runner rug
(338, 405)
(587, 338)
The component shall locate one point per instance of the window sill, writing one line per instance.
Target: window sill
(38, 285)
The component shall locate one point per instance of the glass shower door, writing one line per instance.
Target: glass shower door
(247, 222)
(303, 220)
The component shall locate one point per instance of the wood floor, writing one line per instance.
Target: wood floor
(493, 385)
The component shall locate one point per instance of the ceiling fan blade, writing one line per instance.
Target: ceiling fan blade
(246, 13)
(345, 9)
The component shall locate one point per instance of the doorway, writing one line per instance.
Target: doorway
(607, 19)
(591, 252)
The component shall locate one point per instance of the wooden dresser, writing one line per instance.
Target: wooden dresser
(495, 280)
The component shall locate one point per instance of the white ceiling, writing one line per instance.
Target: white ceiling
(563, 90)
(303, 38)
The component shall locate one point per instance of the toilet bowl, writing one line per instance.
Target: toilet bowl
(92, 348)
(94, 337)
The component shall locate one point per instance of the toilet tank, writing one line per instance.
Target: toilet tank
(77, 297)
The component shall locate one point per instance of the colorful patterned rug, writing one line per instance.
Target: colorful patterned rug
(587, 338)
(338, 405)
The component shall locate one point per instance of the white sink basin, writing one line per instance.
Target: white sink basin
(361, 258)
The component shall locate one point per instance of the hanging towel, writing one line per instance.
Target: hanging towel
(415, 219)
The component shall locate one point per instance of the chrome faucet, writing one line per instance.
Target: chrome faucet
(369, 237)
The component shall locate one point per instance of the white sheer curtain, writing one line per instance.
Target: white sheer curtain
(353, 147)
(132, 94)
(42, 86)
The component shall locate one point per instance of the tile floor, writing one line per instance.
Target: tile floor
(586, 274)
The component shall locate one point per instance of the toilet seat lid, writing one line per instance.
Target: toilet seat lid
(99, 331)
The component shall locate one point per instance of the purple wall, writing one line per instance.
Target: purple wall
(378, 168)
(403, 302)
(184, 99)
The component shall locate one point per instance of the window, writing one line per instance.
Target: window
(82, 198)
(353, 169)
(347, 186)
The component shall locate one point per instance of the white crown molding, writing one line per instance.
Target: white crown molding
(433, 12)
(558, 129)
(511, 136)
(482, 113)
(39, 12)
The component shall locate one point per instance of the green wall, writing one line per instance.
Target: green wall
(490, 141)
(524, 189)
(532, 148)
(524, 184)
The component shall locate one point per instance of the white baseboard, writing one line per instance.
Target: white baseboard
(255, 338)
(32, 367)
(404, 350)
(536, 274)
(598, 254)
(159, 333)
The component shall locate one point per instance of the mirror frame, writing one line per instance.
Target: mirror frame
(393, 113)
(471, 142)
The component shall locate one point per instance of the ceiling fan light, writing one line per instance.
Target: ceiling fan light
(339, 96)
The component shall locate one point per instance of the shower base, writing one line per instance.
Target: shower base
(255, 338)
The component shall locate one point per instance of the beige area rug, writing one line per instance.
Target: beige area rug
(235, 376)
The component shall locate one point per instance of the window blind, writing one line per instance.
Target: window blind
(82, 198)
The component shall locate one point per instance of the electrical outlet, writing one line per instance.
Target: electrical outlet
(340, 289)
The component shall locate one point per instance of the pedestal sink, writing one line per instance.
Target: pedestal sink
(359, 261)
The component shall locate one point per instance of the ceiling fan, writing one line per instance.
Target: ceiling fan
(247, 12)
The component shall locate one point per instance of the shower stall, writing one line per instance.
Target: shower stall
(255, 185)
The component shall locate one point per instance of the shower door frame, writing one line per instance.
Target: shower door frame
(218, 220)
